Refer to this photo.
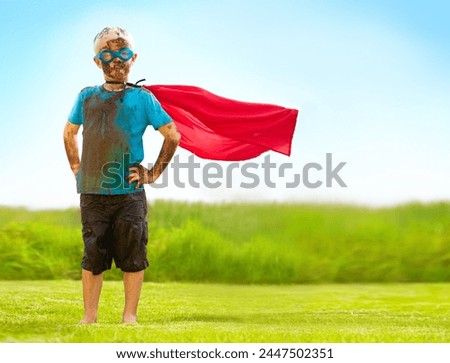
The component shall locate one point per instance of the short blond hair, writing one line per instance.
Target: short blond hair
(113, 32)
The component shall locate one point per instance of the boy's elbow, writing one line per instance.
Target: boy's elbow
(175, 138)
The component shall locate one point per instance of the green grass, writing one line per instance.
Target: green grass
(48, 311)
(247, 243)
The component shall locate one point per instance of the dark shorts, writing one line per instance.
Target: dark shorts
(114, 228)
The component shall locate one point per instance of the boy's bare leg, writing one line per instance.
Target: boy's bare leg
(133, 284)
(92, 287)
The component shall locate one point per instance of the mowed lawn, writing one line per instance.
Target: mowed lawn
(48, 311)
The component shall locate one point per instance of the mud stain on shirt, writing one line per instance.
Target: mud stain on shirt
(104, 143)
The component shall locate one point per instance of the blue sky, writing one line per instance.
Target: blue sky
(371, 80)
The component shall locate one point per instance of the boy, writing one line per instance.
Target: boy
(109, 175)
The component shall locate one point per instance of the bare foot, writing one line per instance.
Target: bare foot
(87, 321)
(129, 319)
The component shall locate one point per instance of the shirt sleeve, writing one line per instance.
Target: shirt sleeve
(156, 115)
(76, 116)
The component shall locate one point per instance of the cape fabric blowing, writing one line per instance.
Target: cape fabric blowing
(218, 128)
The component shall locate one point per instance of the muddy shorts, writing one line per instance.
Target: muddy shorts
(114, 228)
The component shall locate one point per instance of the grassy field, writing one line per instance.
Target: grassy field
(239, 273)
(48, 311)
(247, 243)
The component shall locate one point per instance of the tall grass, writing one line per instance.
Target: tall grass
(248, 243)
(39, 251)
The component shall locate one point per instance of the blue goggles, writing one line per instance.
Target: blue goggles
(107, 56)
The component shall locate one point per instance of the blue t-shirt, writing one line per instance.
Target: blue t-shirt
(113, 126)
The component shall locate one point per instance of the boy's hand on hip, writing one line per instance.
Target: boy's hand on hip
(141, 175)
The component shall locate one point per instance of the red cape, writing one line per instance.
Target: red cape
(218, 128)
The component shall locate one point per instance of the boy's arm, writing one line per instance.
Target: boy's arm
(71, 145)
(171, 140)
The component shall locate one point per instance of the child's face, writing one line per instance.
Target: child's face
(116, 70)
